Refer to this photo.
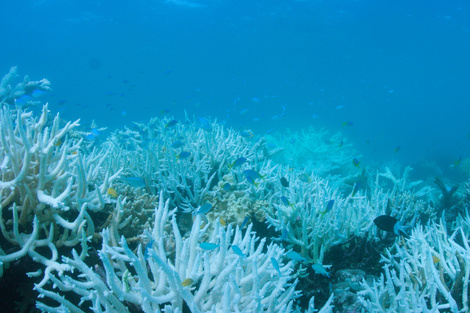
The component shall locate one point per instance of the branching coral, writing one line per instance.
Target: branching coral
(219, 280)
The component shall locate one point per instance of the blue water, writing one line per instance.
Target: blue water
(397, 71)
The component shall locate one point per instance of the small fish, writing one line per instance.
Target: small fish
(456, 163)
(222, 221)
(205, 124)
(255, 99)
(357, 187)
(319, 269)
(329, 206)
(284, 182)
(112, 192)
(397, 149)
(238, 251)
(38, 93)
(136, 182)
(340, 144)
(247, 134)
(348, 123)
(187, 282)
(253, 174)
(295, 256)
(90, 137)
(208, 246)
(245, 221)
(284, 234)
(58, 143)
(171, 123)
(286, 202)
(95, 132)
(242, 112)
(304, 177)
(177, 144)
(183, 155)
(148, 246)
(435, 259)
(238, 162)
(276, 265)
(392, 225)
(356, 162)
(205, 208)
(226, 186)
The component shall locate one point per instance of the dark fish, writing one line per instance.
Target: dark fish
(284, 182)
(391, 224)
(245, 221)
(356, 162)
(171, 123)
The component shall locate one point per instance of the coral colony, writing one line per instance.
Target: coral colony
(193, 217)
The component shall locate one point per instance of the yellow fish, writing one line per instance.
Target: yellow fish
(187, 282)
(435, 259)
(58, 143)
(222, 221)
(112, 192)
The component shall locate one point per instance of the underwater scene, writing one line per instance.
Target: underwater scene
(235, 156)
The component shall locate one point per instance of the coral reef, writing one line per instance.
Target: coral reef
(91, 220)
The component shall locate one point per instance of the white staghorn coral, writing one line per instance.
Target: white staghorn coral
(45, 192)
(155, 279)
(430, 272)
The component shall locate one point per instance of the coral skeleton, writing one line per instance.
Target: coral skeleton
(159, 279)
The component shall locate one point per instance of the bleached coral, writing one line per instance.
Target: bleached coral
(155, 279)
(9, 94)
(47, 188)
(430, 272)
(317, 150)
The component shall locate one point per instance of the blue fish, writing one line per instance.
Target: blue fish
(205, 124)
(356, 162)
(286, 202)
(208, 246)
(284, 234)
(238, 162)
(238, 251)
(24, 99)
(276, 265)
(171, 123)
(328, 208)
(253, 174)
(136, 182)
(226, 186)
(205, 208)
(247, 134)
(148, 246)
(245, 221)
(183, 155)
(177, 144)
(38, 93)
(295, 256)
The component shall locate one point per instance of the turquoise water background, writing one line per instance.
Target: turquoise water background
(397, 73)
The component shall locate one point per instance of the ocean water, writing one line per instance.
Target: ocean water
(392, 76)
(396, 72)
